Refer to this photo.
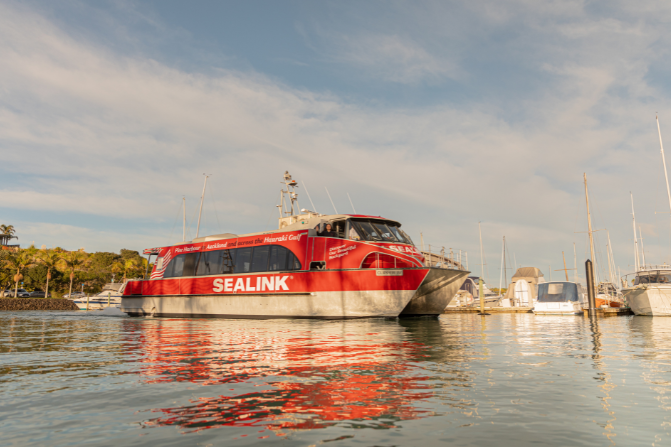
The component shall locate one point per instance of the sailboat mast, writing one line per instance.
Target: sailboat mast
(565, 270)
(575, 265)
(666, 176)
(637, 264)
(201, 206)
(589, 227)
(503, 253)
(482, 255)
(640, 234)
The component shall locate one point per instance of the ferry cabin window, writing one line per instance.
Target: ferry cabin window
(241, 260)
(367, 230)
(384, 232)
(339, 228)
(353, 233)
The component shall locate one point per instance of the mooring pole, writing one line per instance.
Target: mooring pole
(481, 293)
(589, 273)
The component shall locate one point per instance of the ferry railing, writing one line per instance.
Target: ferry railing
(448, 258)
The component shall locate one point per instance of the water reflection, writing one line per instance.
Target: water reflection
(311, 374)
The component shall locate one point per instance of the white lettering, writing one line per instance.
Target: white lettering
(249, 288)
(228, 285)
(239, 285)
(218, 285)
(258, 283)
(280, 283)
(267, 283)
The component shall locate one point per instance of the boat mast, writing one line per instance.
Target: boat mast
(612, 257)
(183, 219)
(503, 255)
(482, 256)
(666, 176)
(565, 270)
(637, 264)
(575, 265)
(201, 205)
(642, 249)
(589, 227)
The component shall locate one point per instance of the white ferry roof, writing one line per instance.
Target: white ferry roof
(302, 222)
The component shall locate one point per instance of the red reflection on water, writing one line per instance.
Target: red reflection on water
(319, 377)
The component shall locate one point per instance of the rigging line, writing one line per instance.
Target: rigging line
(214, 205)
(308, 194)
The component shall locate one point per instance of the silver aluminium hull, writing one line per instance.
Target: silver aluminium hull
(327, 305)
(435, 293)
(649, 300)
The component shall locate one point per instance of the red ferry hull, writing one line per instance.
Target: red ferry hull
(329, 294)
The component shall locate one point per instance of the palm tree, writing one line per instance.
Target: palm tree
(50, 259)
(19, 261)
(7, 233)
(72, 261)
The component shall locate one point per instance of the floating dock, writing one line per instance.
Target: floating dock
(610, 311)
(491, 310)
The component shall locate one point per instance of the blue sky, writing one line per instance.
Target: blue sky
(437, 114)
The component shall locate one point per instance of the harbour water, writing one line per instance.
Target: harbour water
(511, 379)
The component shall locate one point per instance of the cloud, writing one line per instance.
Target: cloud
(88, 129)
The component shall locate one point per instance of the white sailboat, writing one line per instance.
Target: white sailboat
(651, 292)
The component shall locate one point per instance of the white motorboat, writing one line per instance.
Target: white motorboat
(651, 293)
(109, 297)
(560, 298)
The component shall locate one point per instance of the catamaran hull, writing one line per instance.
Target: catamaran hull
(325, 305)
(436, 291)
(650, 301)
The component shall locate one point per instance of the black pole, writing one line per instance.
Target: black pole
(590, 288)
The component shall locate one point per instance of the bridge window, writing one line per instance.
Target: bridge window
(243, 260)
(260, 259)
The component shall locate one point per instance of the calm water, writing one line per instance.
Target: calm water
(77, 379)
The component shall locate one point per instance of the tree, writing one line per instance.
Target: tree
(50, 259)
(72, 261)
(18, 261)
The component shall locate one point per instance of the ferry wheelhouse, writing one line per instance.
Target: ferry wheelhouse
(364, 266)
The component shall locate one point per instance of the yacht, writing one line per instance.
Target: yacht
(560, 298)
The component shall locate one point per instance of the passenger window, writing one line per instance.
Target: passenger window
(278, 258)
(175, 267)
(260, 259)
(369, 232)
(228, 259)
(385, 232)
(354, 234)
(190, 263)
(243, 260)
(292, 261)
(211, 263)
(339, 228)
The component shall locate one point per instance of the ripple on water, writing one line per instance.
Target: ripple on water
(70, 378)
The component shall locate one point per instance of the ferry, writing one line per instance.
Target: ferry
(560, 298)
(313, 266)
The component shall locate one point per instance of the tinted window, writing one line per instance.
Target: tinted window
(385, 232)
(243, 260)
(228, 261)
(175, 267)
(278, 258)
(368, 231)
(190, 263)
(292, 261)
(211, 263)
(260, 259)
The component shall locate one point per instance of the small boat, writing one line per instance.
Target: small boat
(560, 298)
(313, 266)
(607, 295)
(650, 294)
(109, 297)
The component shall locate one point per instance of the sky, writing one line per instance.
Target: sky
(437, 114)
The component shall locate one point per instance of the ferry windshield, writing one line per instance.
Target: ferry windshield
(552, 292)
(654, 278)
(381, 231)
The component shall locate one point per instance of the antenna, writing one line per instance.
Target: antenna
(637, 264)
(291, 192)
(306, 192)
(201, 204)
(327, 192)
(350, 202)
